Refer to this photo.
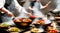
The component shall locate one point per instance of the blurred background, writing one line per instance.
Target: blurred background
(55, 4)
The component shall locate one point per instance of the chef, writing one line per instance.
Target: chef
(4, 10)
(17, 10)
(36, 7)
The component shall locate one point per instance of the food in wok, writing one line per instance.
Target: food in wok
(40, 22)
(27, 20)
(22, 21)
(14, 29)
(34, 30)
(33, 16)
(17, 20)
(51, 30)
(4, 25)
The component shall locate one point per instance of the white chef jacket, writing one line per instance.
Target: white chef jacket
(2, 2)
(17, 9)
(37, 11)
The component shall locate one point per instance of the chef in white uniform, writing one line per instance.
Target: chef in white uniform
(3, 9)
(37, 10)
(17, 10)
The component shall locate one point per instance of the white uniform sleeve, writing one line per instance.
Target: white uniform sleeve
(2, 2)
(19, 7)
(24, 10)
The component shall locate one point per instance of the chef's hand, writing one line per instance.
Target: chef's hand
(10, 14)
(29, 14)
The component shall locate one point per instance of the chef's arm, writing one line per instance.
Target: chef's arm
(43, 7)
(29, 14)
(26, 12)
(3, 9)
(30, 8)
